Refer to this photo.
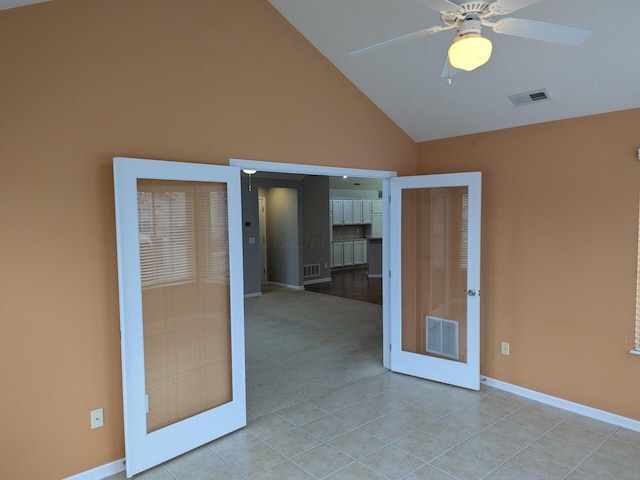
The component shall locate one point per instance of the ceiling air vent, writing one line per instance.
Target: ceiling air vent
(527, 98)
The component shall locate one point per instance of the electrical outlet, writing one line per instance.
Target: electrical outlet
(505, 348)
(97, 418)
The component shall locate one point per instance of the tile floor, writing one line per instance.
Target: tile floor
(397, 427)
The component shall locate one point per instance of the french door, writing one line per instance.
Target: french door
(179, 244)
(434, 225)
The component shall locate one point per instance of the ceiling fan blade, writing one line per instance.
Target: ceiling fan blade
(440, 5)
(507, 6)
(546, 32)
(397, 40)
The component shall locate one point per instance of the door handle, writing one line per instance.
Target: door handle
(471, 292)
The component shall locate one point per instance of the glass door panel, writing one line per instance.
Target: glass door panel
(437, 325)
(184, 256)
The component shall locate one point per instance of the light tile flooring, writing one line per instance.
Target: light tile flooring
(397, 427)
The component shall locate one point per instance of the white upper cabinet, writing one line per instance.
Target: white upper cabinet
(347, 212)
(336, 212)
(366, 211)
(357, 212)
(353, 212)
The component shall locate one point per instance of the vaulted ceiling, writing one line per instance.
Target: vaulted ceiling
(404, 80)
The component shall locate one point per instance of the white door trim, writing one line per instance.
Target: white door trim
(328, 171)
(303, 169)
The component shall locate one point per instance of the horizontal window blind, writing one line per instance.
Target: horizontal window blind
(166, 234)
(464, 230)
(438, 230)
(213, 233)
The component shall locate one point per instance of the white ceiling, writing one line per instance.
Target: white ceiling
(600, 75)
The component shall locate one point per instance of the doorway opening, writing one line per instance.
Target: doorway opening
(353, 343)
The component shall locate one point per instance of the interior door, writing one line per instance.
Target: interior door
(435, 287)
(179, 244)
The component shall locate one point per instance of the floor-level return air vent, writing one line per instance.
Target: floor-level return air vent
(312, 270)
(527, 98)
(442, 337)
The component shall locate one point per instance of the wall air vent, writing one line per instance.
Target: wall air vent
(527, 98)
(311, 270)
(442, 336)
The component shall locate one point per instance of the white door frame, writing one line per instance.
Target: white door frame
(327, 171)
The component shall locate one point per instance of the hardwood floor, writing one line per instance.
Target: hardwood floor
(351, 283)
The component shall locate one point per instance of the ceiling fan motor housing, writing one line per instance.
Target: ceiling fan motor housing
(470, 26)
(468, 11)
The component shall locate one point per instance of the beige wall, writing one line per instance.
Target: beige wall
(559, 244)
(82, 81)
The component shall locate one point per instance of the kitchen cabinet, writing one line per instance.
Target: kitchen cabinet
(352, 212)
(337, 217)
(338, 254)
(347, 212)
(366, 211)
(376, 225)
(357, 212)
(359, 252)
(347, 252)
(376, 218)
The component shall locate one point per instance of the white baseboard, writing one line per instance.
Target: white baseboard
(251, 295)
(100, 472)
(317, 280)
(591, 412)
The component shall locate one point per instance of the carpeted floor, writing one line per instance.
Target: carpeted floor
(301, 344)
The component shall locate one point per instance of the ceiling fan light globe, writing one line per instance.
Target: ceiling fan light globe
(469, 52)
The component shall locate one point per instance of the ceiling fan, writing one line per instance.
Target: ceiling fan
(469, 49)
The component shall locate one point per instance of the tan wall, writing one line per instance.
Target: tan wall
(559, 244)
(83, 81)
